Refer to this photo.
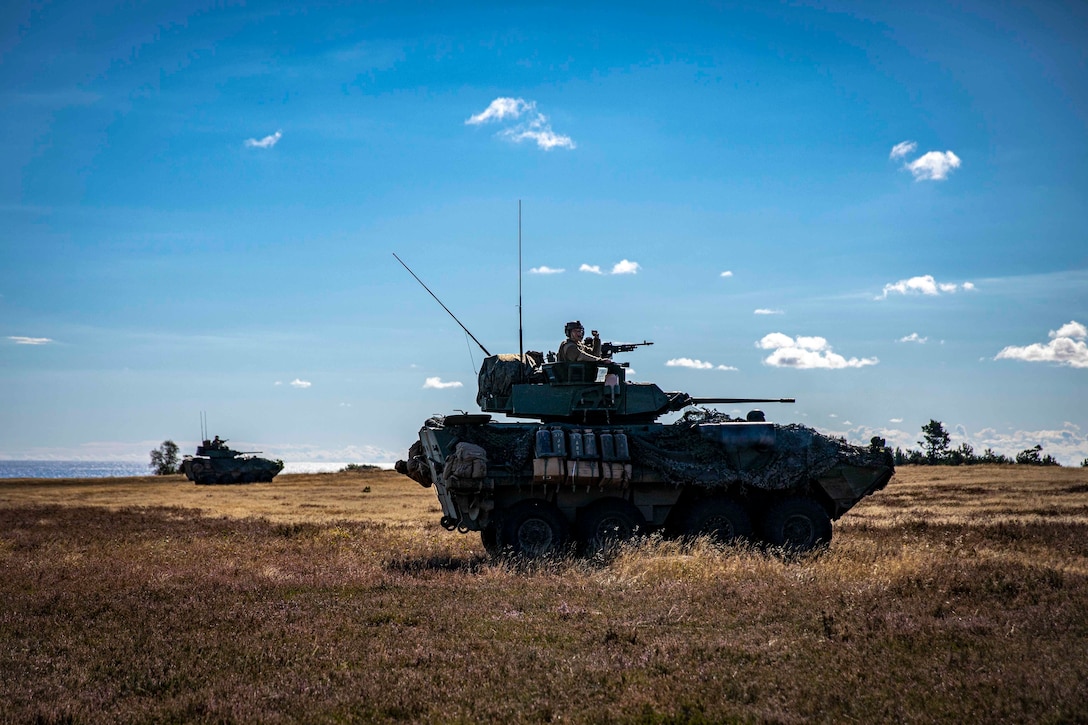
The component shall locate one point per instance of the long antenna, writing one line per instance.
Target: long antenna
(447, 309)
(521, 333)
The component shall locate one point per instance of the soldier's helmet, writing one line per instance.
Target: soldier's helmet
(575, 325)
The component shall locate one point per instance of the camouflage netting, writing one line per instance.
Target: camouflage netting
(508, 449)
(681, 455)
(498, 374)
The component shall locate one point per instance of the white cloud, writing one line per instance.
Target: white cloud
(625, 267)
(914, 337)
(534, 128)
(1067, 346)
(592, 268)
(727, 273)
(265, 143)
(728, 368)
(934, 166)
(437, 384)
(1068, 444)
(925, 285)
(896, 420)
(301, 384)
(1070, 329)
(902, 149)
(765, 311)
(278, 382)
(19, 340)
(687, 362)
(499, 109)
(542, 269)
(545, 138)
(806, 353)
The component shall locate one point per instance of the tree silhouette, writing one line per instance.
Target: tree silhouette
(164, 459)
(935, 441)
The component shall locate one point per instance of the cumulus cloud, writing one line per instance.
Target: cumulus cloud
(1068, 444)
(930, 166)
(265, 143)
(1067, 346)
(591, 268)
(531, 125)
(765, 311)
(914, 337)
(924, 285)
(902, 149)
(934, 166)
(896, 420)
(625, 267)
(301, 384)
(544, 137)
(543, 269)
(727, 273)
(500, 109)
(19, 340)
(687, 362)
(437, 384)
(806, 353)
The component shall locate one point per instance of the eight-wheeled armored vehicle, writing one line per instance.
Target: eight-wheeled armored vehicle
(593, 465)
(214, 462)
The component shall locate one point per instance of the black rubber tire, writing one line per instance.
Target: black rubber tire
(722, 519)
(797, 524)
(533, 528)
(489, 537)
(608, 521)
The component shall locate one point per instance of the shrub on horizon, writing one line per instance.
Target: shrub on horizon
(164, 459)
(359, 468)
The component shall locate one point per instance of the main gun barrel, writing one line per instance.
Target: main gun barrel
(709, 401)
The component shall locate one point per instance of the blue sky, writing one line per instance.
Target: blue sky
(876, 210)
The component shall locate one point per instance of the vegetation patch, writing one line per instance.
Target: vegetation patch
(947, 597)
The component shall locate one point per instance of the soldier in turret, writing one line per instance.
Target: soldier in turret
(576, 349)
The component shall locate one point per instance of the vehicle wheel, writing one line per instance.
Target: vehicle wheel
(722, 519)
(798, 524)
(533, 528)
(249, 477)
(489, 537)
(608, 521)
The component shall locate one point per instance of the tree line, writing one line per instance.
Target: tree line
(936, 450)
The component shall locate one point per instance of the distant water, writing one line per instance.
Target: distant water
(108, 469)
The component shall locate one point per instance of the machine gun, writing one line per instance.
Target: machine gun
(608, 348)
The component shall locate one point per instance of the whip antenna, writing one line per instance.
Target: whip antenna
(521, 333)
(447, 309)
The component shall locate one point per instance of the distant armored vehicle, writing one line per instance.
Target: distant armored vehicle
(214, 462)
(597, 467)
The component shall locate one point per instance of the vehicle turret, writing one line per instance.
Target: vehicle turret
(579, 392)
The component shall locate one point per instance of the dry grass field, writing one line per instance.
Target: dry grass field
(954, 595)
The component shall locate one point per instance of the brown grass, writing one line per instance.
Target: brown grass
(955, 595)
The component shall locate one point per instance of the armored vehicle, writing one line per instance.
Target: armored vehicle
(593, 464)
(214, 462)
